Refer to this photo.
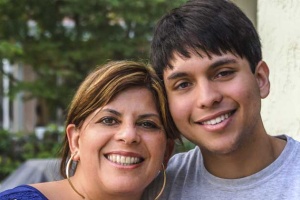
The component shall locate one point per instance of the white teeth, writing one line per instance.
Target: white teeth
(216, 120)
(123, 160)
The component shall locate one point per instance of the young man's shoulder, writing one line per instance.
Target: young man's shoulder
(293, 145)
(181, 168)
(188, 179)
(185, 159)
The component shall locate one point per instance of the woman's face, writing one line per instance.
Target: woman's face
(120, 146)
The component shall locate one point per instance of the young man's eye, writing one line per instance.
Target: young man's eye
(182, 85)
(224, 74)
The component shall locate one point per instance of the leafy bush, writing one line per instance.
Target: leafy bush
(15, 148)
(186, 146)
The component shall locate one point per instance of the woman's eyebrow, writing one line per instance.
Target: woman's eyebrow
(111, 111)
(143, 116)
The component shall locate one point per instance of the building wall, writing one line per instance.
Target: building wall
(19, 114)
(278, 24)
(249, 7)
(29, 111)
(279, 28)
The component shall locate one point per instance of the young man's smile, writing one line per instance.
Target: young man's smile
(215, 101)
(209, 56)
(215, 122)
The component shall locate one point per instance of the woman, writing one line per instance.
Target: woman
(118, 132)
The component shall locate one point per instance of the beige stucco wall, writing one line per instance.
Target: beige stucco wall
(278, 23)
(249, 7)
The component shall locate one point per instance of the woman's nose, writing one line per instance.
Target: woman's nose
(128, 135)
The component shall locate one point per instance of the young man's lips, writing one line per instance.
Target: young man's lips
(216, 119)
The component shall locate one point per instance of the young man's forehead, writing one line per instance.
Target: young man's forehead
(212, 60)
(198, 53)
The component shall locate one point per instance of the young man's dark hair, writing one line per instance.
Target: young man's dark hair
(212, 26)
(208, 55)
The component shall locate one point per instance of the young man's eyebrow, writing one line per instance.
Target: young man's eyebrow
(221, 62)
(216, 64)
(176, 75)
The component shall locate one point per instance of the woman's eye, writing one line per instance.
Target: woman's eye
(149, 125)
(108, 121)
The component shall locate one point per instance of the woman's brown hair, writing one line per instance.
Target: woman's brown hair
(103, 84)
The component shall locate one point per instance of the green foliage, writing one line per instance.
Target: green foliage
(186, 146)
(9, 49)
(39, 33)
(15, 148)
(32, 33)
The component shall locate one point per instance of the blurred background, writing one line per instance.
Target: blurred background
(48, 46)
(46, 49)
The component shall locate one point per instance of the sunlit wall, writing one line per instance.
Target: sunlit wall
(278, 24)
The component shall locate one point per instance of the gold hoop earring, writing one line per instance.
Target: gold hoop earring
(68, 177)
(164, 183)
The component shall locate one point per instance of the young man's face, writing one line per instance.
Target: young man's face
(216, 102)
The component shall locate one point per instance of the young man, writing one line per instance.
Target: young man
(208, 54)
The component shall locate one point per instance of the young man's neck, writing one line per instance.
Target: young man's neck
(246, 160)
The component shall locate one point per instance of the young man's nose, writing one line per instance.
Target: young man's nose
(208, 95)
(128, 135)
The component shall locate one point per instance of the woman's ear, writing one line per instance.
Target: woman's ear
(73, 138)
(262, 78)
(169, 151)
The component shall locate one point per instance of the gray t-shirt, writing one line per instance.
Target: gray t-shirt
(187, 178)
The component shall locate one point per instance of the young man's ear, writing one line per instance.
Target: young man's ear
(169, 151)
(73, 137)
(262, 78)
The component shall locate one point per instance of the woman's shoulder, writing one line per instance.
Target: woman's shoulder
(22, 192)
